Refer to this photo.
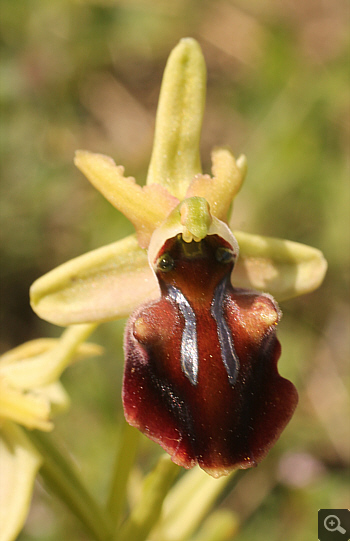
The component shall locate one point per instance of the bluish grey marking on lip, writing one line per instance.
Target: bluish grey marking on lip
(189, 347)
(228, 352)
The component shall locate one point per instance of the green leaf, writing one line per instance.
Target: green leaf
(59, 472)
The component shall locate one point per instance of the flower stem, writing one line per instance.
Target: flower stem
(59, 473)
(125, 458)
(147, 511)
(188, 503)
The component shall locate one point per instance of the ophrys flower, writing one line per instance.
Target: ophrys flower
(182, 211)
(30, 394)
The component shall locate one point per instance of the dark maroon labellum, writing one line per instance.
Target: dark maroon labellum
(201, 373)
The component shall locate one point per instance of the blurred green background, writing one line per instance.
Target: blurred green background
(86, 74)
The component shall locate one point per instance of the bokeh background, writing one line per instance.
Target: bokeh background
(86, 74)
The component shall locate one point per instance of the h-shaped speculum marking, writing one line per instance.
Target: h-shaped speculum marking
(189, 342)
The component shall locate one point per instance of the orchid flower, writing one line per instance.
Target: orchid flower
(30, 394)
(201, 352)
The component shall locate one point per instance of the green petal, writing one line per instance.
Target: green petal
(19, 465)
(27, 350)
(145, 207)
(32, 348)
(105, 284)
(45, 368)
(57, 396)
(219, 191)
(175, 157)
(27, 409)
(283, 268)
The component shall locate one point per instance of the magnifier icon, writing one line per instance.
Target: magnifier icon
(332, 524)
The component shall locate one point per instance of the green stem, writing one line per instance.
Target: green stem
(147, 511)
(60, 474)
(188, 503)
(221, 525)
(125, 458)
